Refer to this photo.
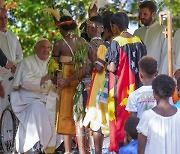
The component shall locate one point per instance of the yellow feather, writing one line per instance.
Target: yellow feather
(54, 13)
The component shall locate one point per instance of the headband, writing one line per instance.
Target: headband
(66, 23)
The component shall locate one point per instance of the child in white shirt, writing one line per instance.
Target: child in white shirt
(142, 98)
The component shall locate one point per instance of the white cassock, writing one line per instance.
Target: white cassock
(156, 44)
(29, 105)
(13, 51)
(176, 49)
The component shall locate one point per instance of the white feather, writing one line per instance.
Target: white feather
(66, 12)
(98, 3)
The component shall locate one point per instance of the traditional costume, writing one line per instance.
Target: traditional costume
(97, 105)
(65, 122)
(125, 53)
(156, 44)
(34, 106)
(11, 47)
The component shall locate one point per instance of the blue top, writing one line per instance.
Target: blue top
(131, 148)
(177, 105)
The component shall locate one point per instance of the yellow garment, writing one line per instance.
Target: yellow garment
(65, 122)
(97, 112)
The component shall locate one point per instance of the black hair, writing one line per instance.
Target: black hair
(178, 84)
(163, 86)
(148, 65)
(130, 127)
(106, 18)
(96, 19)
(121, 20)
(68, 27)
(148, 4)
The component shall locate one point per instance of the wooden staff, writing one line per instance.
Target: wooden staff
(168, 34)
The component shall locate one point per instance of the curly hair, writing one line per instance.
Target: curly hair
(148, 65)
(163, 86)
(130, 126)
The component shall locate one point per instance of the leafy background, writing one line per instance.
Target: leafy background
(29, 22)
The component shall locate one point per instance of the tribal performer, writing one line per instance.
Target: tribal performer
(65, 52)
(122, 57)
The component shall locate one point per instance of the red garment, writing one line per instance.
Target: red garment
(122, 82)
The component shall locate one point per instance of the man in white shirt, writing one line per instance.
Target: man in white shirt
(152, 35)
(11, 47)
(176, 49)
(31, 100)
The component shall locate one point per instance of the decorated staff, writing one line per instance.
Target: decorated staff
(168, 34)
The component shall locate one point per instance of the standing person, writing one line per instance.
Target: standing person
(64, 51)
(142, 98)
(176, 48)
(152, 35)
(158, 127)
(122, 57)
(11, 47)
(97, 103)
(30, 99)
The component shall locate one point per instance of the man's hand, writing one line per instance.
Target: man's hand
(44, 79)
(62, 83)
(13, 69)
(9, 65)
(2, 93)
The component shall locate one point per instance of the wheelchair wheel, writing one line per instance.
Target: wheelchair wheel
(8, 130)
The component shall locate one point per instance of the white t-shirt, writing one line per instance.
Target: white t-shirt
(140, 100)
(163, 135)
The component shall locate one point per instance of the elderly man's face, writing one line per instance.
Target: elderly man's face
(3, 20)
(42, 49)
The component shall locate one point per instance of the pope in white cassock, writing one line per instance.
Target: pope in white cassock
(31, 100)
(152, 35)
(13, 51)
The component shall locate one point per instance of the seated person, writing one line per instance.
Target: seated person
(130, 136)
(29, 101)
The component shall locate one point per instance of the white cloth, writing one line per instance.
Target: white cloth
(163, 135)
(140, 100)
(156, 44)
(13, 51)
(176, 49)
(28, 104)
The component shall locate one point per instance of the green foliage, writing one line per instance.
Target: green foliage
(29, 22)
(80, 56)
(53, 66)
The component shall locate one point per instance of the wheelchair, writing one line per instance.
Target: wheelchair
(8, 129)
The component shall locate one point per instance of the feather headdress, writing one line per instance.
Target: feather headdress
(99, 4)
(55, 13)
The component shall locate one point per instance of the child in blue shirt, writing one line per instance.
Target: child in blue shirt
(130, 136)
